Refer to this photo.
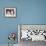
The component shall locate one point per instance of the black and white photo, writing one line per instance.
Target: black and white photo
(10, 12)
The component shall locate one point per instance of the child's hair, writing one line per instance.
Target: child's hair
(8, 10)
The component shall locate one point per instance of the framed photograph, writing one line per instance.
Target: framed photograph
(10, 12)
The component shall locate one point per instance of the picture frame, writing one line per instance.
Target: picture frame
(10, 12)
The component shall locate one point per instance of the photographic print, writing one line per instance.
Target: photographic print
(10, 12)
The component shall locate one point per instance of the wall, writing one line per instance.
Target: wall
(33, 12)
(28, 12)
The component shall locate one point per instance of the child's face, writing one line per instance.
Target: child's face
(12, 12)
(8, 12)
